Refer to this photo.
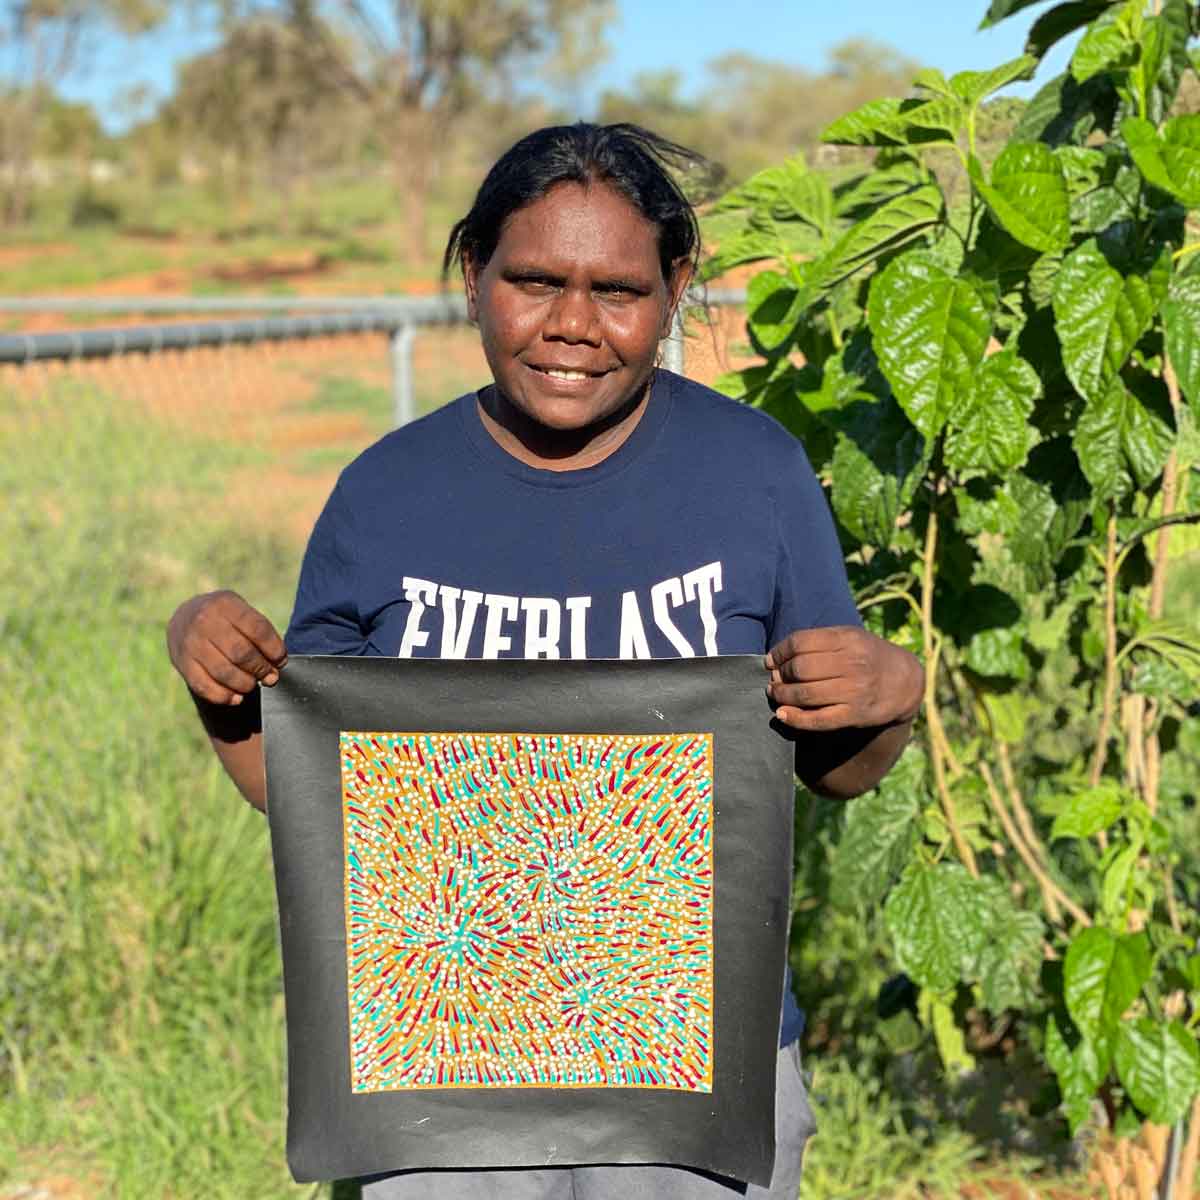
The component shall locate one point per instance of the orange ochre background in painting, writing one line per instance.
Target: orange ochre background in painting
(529, 910)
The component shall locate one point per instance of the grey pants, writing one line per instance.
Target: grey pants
(794, 1125)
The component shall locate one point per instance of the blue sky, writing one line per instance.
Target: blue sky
(940, 33)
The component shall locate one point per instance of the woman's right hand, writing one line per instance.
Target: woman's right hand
(223, 648)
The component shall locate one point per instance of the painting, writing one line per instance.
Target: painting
(528, 909)
(531, 913)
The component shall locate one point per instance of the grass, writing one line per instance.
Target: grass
(140, 1022)
(344, 393)
(864, 1149)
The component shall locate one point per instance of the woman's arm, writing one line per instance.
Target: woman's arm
(224, 649)
(848, 698)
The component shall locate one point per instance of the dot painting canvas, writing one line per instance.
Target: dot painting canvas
(528, 910)
(531, 913)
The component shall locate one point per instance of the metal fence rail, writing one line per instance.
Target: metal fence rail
(398, 316)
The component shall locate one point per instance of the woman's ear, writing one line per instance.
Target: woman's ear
(677, 284)
(471, 283)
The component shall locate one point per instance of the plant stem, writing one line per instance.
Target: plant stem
(835, 332)
(1170, 490)
(1100, 754)
(1133, 722)
(1024, 821)
(1052, 894)
(1169, 897)
(939, 747)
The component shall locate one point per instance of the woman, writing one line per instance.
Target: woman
(582, 505)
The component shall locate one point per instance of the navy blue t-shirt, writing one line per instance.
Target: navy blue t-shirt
(705, 532)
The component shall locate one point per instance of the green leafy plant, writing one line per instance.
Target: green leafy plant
(1000, 393)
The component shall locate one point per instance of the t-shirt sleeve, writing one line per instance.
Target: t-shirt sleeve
(811, 589)
(325, 619)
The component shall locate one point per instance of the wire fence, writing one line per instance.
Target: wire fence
(300, 384)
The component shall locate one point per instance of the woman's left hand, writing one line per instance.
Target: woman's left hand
(843, 677)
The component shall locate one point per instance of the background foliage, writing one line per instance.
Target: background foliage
(1000, 387)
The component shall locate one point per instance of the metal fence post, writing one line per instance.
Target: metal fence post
(404, 399)
(1166, 1188)
(672, 344)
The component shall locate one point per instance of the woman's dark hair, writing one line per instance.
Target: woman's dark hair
(634, 161)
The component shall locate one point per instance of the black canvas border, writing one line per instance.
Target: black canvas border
(334, 1133)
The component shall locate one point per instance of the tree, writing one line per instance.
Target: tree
(418, 66)
(260, 108)
(43, 41)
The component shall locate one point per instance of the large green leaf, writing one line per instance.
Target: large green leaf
(877, 464)
(1063, 19)
(1089, 811)
(1164, 681)
(872, 124)
(989, 430)
(931, 79)
(973, 86)
(1083, 167)
(747, 246)
(782, 192)
(1009, 960)
(1105, 47)
(1080, 1069)
(1011, 951)
(1028, 195)
(1179, 22)
(1117, 197)
(1101, 314)
(858, 197)
(750, 384)
(1158, 1064)
(756, 243)
(945, 117)
(1181, 318)
(881, 828)
(892, 122)
(1115, 898)
(998, 653)
(1170, 161)
(930, 331)
(1120, 441)
(810, 197)
(1053, 497)
(937, 916)
(771, 309)
(764, 189)
(1146, 68)
(1103, 974)
(998, 10)
(895, 223)
(1064, 112)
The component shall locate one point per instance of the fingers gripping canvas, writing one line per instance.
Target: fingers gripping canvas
(528, 910)
(531, 913)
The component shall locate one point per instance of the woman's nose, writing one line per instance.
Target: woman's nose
(572, 317)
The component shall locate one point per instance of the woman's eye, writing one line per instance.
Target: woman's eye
(536, 285)
(616, 291)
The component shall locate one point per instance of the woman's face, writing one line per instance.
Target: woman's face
(572, 304)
